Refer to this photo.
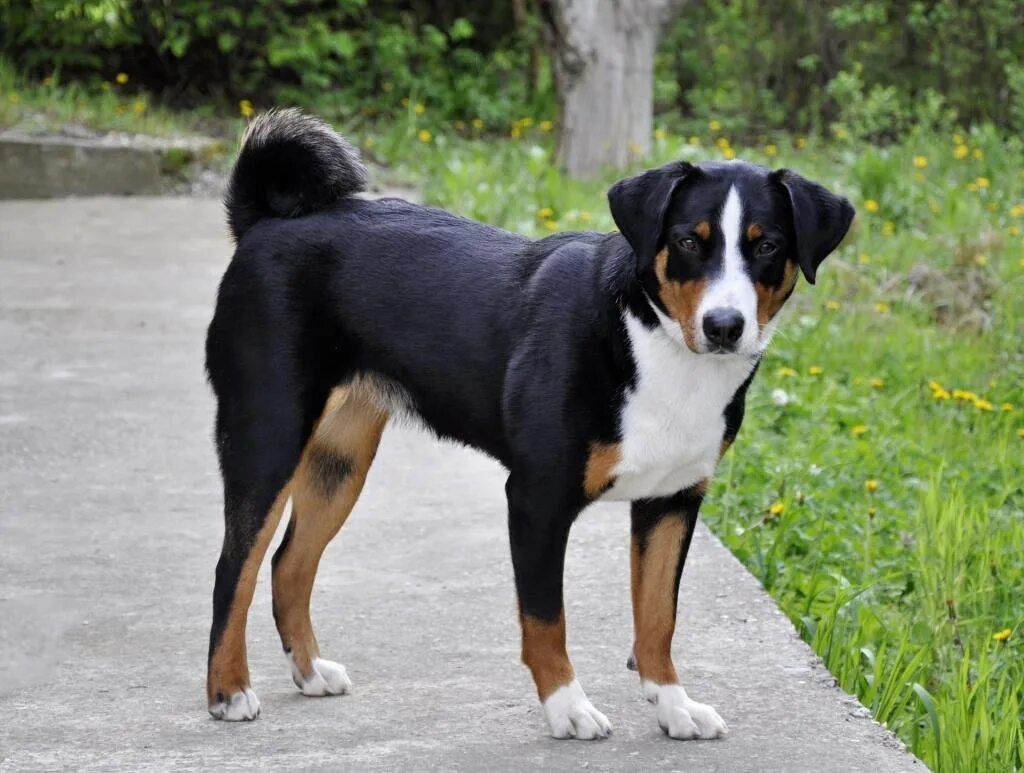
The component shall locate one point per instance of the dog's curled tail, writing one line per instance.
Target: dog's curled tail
(291, 164)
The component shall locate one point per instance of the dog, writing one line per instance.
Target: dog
(592, 366)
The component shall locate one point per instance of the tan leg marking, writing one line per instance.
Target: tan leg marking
(597, 477)
(327, 484)
(770, 299)
(545, 655)
(653, 571)
(228, 671)
(681, 299)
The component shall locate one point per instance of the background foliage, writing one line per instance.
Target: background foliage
(862, 70)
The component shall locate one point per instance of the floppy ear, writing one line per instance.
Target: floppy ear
(820, 219)
(639, 203)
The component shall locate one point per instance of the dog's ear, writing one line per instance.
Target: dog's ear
(638, 205)
(820, 219)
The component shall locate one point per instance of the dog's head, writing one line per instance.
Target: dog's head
(719, 246)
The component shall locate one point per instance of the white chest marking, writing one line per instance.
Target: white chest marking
(673, 422)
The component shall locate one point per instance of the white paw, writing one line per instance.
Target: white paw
(571, 715)
(242, 707)
(683, 718)
(326, 678)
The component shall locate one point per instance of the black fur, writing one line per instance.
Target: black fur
(514, 347)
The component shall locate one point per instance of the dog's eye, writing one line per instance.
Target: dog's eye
(687, 243)
(765, 249)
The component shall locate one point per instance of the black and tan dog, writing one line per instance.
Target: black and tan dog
(593, 366)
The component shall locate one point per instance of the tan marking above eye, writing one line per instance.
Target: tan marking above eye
(680, 299)
(703, 230)
(754, 231)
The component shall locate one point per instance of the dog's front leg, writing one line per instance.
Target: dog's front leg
(539, 530)
(661, 533)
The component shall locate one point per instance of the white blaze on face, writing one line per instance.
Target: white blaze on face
(733, 287)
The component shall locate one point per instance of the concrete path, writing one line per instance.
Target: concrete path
(110, 527)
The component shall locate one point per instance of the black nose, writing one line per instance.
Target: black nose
(723, 328)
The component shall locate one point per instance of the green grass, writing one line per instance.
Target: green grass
(899, 584)
(51, 106)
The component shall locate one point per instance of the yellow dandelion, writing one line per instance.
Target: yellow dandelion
(551, 225)
(815, 370)
(872, 512)
(636, 148)
(423, 135)
(1013, 230)
(1006, 406)
(863, 258)
(1002, 635)
(121, 78)
(871, 485)
(982, 182)
(121, 109)
(660, 134)
(977, 154)
(941, 394)
(545, 213)
(477, 123)
(546, 126)
(960, 152)
(777, 508)
(1020, 431)
(840, 133)
(934, 385)
(833, 305)
(405, 101)
(526, 123)
(888, 228)
(139, 107)
(876, 383)
(420, 108)
(369, 142)
(714, 126)
(729, 154)
(785, 372)
(920, 161)
(585, 216)
(801, 142)
(516, 132)
(882, 308)
(1017, 210)
(722, 142)
(983, 405)
(859, 429)
(694, 140)
(388, 86)
(958, 139)
(871, 205)
(981, 260)
(991, 206)
(771, 150)
(246, 109)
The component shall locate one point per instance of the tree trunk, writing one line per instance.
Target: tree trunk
(602, 56)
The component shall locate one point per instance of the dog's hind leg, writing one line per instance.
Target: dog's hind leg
(260, 442)
(324, 491)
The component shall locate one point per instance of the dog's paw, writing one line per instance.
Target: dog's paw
(241, 707)
(683, 718)
(571, 715)
(325, 678)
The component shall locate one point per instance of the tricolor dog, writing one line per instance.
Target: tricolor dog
(592, 366)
